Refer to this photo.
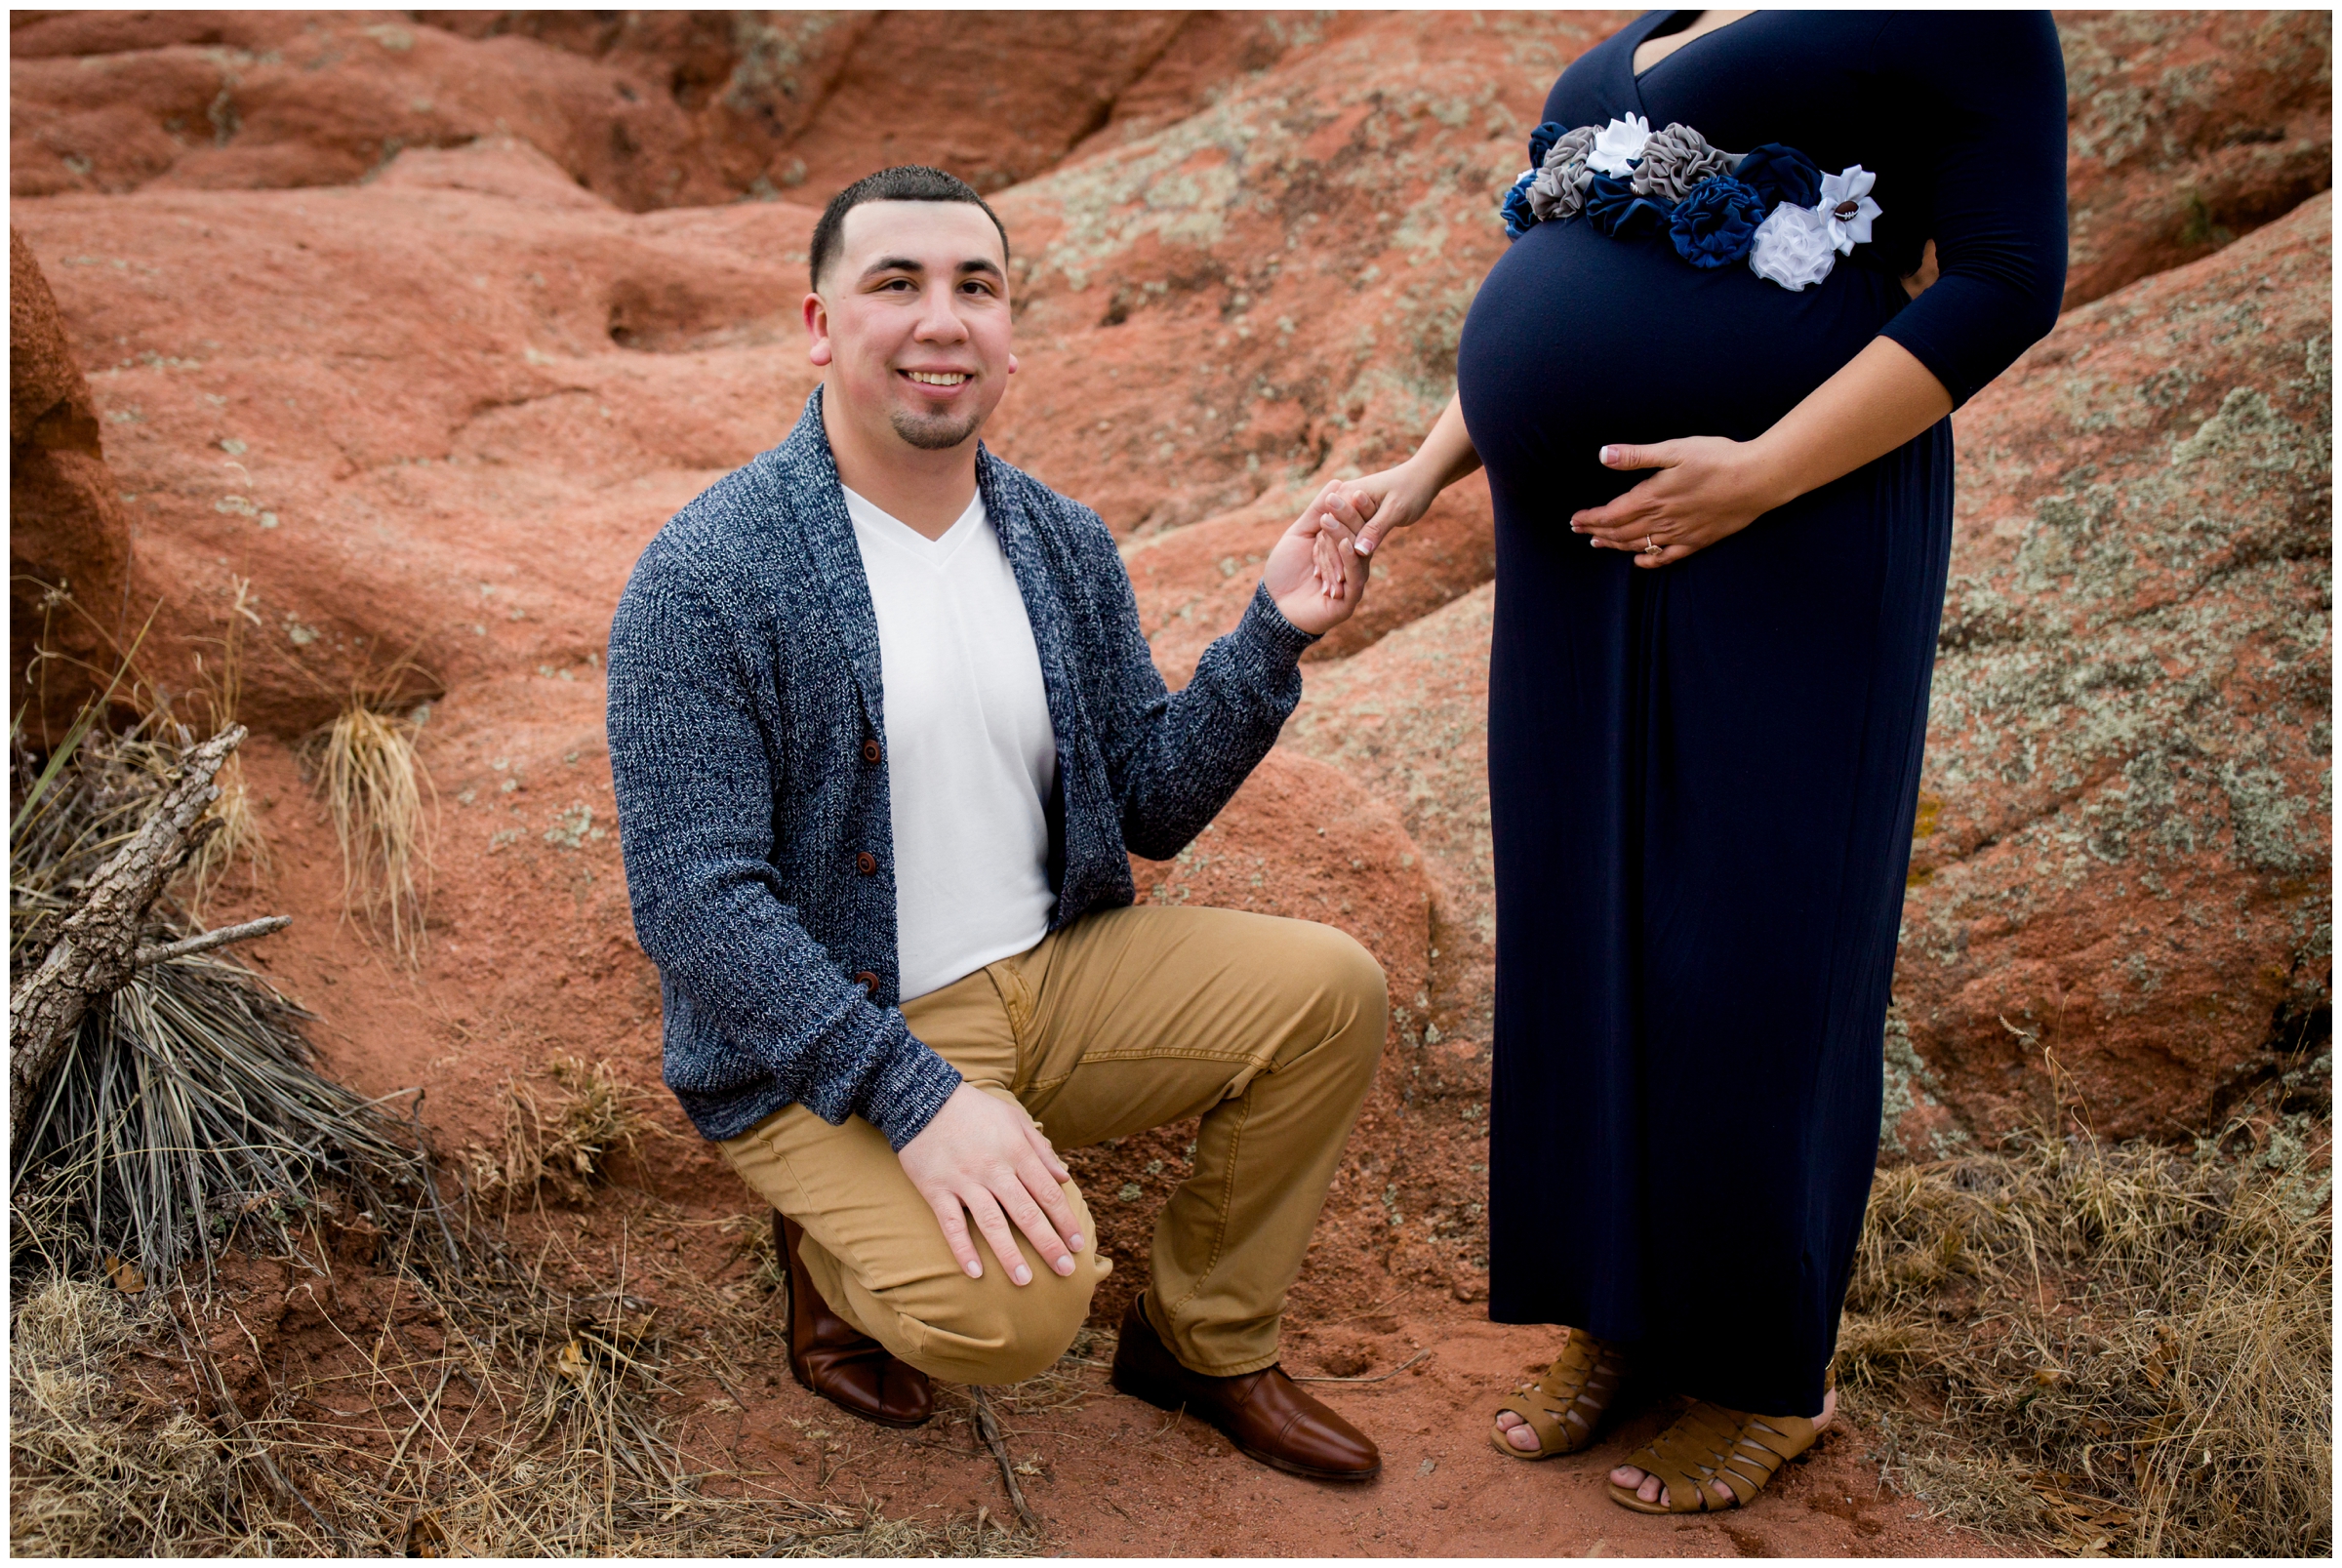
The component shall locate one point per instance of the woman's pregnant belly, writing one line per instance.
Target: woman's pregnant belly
(1577, 340)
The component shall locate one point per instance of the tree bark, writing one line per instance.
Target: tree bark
(96, 949)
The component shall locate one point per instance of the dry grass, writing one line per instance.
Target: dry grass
(2120, 1350)
(531, 1431)
(94, 1470)
(375, 786)
(239, 835)
(560, 1139)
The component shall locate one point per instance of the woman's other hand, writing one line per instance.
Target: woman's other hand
(1317, 584)
(1707, 488)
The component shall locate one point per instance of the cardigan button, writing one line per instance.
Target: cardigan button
(871, 752)
(865, 863)
(867, 981)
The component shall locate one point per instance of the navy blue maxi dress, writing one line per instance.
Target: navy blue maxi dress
(1703, 777)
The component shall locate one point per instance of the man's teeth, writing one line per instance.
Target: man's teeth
(937, 378)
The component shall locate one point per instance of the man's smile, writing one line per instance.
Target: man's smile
(939, 378)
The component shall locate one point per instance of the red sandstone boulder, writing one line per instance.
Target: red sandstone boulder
(1407, 720)
(2189, 128)
(1193, 582)
(290, 99)
(69, 546)
(2125, 838)
(1272, 288)
(432, 419)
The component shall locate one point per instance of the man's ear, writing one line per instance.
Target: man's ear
(817, 329)
(1012, 364)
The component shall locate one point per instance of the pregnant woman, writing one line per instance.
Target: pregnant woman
(1761, 258)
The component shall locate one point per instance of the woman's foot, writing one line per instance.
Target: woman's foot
(1652, 1490)
(1560, 1413)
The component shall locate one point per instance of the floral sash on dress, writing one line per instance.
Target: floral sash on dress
(1769, 207)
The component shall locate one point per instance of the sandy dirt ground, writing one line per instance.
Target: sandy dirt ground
(676, 1234)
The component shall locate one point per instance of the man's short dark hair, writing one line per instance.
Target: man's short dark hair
(906, 182)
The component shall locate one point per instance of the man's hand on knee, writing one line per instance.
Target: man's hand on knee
(983, 1156)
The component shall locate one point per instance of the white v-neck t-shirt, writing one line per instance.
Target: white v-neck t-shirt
(971, 755)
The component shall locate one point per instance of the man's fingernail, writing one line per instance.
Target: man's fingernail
(1074, 1241)
(1022, 1276)
(1065, 1266)
(975, 1269)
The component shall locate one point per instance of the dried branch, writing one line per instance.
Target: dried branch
(187, 947)
(96, 949)
(988, 1427)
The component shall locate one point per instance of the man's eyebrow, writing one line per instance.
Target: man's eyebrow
(904, 263)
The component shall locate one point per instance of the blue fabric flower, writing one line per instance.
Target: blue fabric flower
(1518, 217)
(1613, 208)
(1780, 174)
(1716, 226)
(1541, 139)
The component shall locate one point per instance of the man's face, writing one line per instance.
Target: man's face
(911, 321)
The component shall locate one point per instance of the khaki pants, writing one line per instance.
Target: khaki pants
(1126, 1019)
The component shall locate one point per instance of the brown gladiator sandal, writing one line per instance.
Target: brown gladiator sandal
(1565, 1406)
(1710, 1445)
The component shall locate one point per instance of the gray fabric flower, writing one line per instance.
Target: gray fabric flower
(1675, 160)
(1560, 189)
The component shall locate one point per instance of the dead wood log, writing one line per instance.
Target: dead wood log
(97, 948)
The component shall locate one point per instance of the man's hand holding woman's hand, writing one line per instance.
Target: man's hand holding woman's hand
(1316, 579)
(982, 1155)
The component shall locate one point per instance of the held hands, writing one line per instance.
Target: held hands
(1707, 489)
(983, 1155)
(1316, 579)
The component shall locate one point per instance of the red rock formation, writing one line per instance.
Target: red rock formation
(2188, 129)
(2124, 843)
(69, 546)
(1273, 287)
(431, 399)
(439, 415)
(1407, 719)
(1193, 582)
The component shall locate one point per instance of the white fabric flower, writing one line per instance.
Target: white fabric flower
(1794, 248)
(1847, 206)
(1617, 145)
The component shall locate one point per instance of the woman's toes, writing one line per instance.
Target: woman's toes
(1650, 1491)
(1626, 1475)
(1517, 1432)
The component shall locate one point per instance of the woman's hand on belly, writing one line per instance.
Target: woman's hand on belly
(1707, 488)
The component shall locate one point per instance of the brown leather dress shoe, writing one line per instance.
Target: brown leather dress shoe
(831, 1357)
(1264, 1413)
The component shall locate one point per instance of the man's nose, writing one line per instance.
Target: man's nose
(938, 321)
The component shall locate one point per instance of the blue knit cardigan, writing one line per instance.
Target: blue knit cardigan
(747, 738)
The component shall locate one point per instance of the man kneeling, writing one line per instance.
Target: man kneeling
(885, 730)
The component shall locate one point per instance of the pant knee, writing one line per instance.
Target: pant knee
(993, 1332)
(1361, 992)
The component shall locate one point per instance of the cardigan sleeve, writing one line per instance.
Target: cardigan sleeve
(695, 788)
(1991, 86)
(1175, 758)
